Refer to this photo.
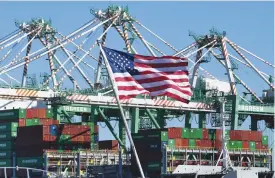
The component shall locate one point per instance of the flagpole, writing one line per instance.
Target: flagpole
(121, 110)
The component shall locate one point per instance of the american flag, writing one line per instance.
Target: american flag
(156, 76)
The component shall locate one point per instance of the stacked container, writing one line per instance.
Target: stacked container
(149, 145)
(8, 133)
(108, 145)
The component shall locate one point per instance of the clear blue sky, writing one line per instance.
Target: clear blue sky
(249, 24)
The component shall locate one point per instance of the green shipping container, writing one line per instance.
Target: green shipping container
(8, 136)
(12, 114)
(49, 113)
(171, 143)
(5, 154)
(5, 163)
(196, 133)
(163, 136)
(232, 145)
(185, 133)
(30, 161)
(11, 126)
(192, 143)
(239, 144)
(64, 139)
(252, 146)
(32, 122)
(265, 140)
(6, 145)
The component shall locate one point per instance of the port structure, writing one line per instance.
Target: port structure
(87, 91)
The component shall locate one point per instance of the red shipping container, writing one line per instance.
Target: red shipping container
(205, 134)
(41, 112)
(245, 145)
(198, 143)
(29, 113)
(87, 138)
(218, 134)
(235, 135)
(22, 123)
(178, 142)
(184, 143)
(46, 129)
(55, 122)
(246, 136)
(259, 136)
(258, 145)
(174, 132)
(218, 144)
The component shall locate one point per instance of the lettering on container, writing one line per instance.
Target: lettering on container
(7, 114)
(3, 145)
(30, 161)
(75, 109)
(3, 154)
(3, 163)
(251, 108)
(3, 136)
(3, 127)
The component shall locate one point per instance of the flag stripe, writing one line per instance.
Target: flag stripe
(161, 65)
(162, 57)
(169, 69)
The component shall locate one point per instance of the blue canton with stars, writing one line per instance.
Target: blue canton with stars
(120, 62)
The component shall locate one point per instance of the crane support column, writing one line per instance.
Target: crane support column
(134, 120)
(187, 120)
(195, 70)
(92, 123)
(160, 118)
(202, 120)
(234, 111)
(121, 128)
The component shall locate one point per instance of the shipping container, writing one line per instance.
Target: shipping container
(252, 146)
(10, 126)
(30, 161)
(184, 143)
(6, 163)
(153, 166)
(198, 143)
(108, 144)
(49, 113)
(8, 135)
(192, 143)
(264, 140)
(205, 134)
(5, 154)
(196, 133)
(171, 143)
(6, 145)
(246, 145)
(185, 133)
(258, 145)
(160, 136)
(12, 114)
(22, 122)
(174, 132)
